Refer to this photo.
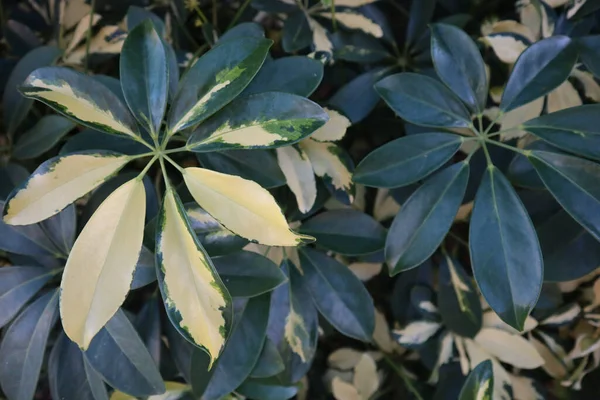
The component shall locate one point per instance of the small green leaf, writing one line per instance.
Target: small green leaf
(215, 80)
(573, 182)
(425, 218)
(459, 65)
(480, 383)
(42, 137)
(505, 253)
(346, 231)
(541, 68)
(421, 13)
(338, 295)
(423, 101)
(406, 160)
(297, 34)
(575, 129)
(264, 120)
(143, 68)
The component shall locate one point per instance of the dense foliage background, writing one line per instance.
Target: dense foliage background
(417, 279)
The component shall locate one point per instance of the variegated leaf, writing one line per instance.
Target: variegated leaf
(80, 98)
(564, 96)
(354, 20)
(417, 332)
(242, 206)
(259, 121)
(508, 348)
(508, 47)
(321, 41)
(101, 264)
(197, 302)
(334, 129)
(57, 183)
(591, 89)
(299, 175)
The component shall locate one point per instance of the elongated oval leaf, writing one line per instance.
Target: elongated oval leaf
(575, 129)
(338, 294)
(480, 383)
(459, 65)
(57, 183)
(589, 50)
(80, 98)
(216, 79)
(121, 358)
(28, 240)
(541, 68)
(242, 206)
(143, 68)
(259, 121)
(505, 253)
(346, 231)
(196, 300)
(425, 218)
(24, 345)
(574, 184)
(423, 101)
(101, 264)
(406, 160)
(42, 137)
(17, 286)
(247, 274)
(299, 175)
(269, 362)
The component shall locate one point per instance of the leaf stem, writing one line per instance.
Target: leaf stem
(177, 150)
(174, 163)
(88, 39)
(404, 377)
(506, 146)
(238, 14)
(147, 167)
(489, 128)
(502, 131)
(164, 173)
(135, 157)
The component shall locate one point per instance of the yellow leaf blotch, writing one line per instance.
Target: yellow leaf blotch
(57, 183)
(100, 267)
(251, 134)
(296, 334)
(299, 175)
(327, 163)
(353, 20)
(79, 107)
(189, 285)
(242, 206)
(198, 107)
(334, 129)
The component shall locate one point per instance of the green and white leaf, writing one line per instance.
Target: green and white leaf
(299, 175)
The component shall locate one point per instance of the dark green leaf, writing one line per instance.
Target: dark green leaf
(242, 350)
(215, 80)
(23, 347)
(247, 274)
(520, 171)
(459, 65)
(42, 137)
(15, 106)
(358, 98)
(406, 160)
(137, 15)
(259, 166)
(266, 389)
(358, 47)
(173, 70)
(245, 29)
(120, 356)
(111, 83)
(296, 33)
(425, 218)
(296, 74)
(574, 183)
(480, 383)
(11, 176)
(91, 139)
(423, 101)
(182, 351)
(17, 286)
(338, 294)
(147, 324)
(145, 270)
(143, 68)
(541, 68)
(505, 253)
(421, 12)
(575, 129)
(274, 6)
(71, 376)
(269, 362)
(264, 120)
(458, 299)
(589, 51)
(346, 231)
(61, 229)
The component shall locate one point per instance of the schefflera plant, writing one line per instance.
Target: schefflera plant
(204, 109)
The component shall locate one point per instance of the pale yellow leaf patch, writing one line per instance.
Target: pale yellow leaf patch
(199, 105)
(591, 89)
(107, 41)
(417, 332)
(344, 358)
(327, 163)
(510, 26)
(444, 356)
(483, 389)
(59, 184)
(242, 206)
(365, 270)
(320, 39)
(354, 20)
(343, 390)
(577, 4)
(299, 175)
(507, 48)
(564, 96)
(366, 380)
(80, 31)
(552, 364)
(72, 12)
(101, 264)
(564, 316)
(519, 115)
(334, 129)
(509, 348)
(381, 334)
(296, 334)
(501, 379)
(79, 107)
(385, 206)
(492, 320)
(523, 388)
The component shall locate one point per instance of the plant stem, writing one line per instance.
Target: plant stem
(489, 128)
(174, 164)
(147, 167)
(88, 39)
(487, 154)
(402, 375)
(506, 146)
(135, 157)
(183, 148)
(238, 14)
(164, 173)
(501, 132)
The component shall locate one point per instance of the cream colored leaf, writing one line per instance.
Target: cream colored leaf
(57, 183)
(343, 390)
(81, 30)
(509, 348)
(519, 115)
(530, 16)
(591, 89)
(299, 175)
(462, 355)
(523, 389)
(320, 39)
(327, 163)
(365, 270)
(501, 379)
(195, 298)
(101, 264)
(73, 12)
(366, 380)
(109, 40)
(552, 364)
(296, 333)
(584, 344)
(334, 129)
(564, 316)
(417, 332)
(576, 6)
(381, 334)
(242, 206)
(444, 356)
(385, 206)
(344, 358)
(354, 20)
(507, 48)
(510, 26)
(564, 96)
(492, 320)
